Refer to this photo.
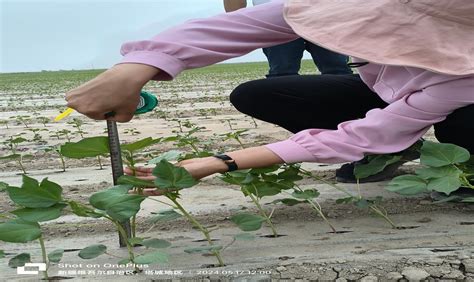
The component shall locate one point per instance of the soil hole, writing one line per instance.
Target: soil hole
(340, 232)
(443, 250)
(285, 258)
(406, 227)
(204, 240)
(273, 236)
(71, 250)
(58, 278)
(211, 265)
(466, 223)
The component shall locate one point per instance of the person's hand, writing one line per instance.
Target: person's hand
(198, 168)
(115, 90)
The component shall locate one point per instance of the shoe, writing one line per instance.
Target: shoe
(345, 174)
(463, 194)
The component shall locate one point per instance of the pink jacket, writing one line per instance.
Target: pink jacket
(417, 98)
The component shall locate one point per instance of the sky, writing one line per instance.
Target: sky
(86, 34)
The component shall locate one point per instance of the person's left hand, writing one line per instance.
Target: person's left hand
(198, 168)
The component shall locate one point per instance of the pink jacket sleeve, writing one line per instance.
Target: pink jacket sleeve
(204, 42)
(387, 130)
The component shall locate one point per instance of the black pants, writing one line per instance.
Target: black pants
(323, 101)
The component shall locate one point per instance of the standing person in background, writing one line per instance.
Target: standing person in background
(285, 59)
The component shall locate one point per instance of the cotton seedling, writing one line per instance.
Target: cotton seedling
(372, 204)
(12, 144)
(92, 147)
(36, 202)
(253, 185)
(77, 124)
(169, 181)
(445, 168)
(37, 137)
(22, 119)
(40, 202)
(5, 123)
(130, 158)
(57, 150)
(235, 135)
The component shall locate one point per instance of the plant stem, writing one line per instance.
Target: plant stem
(149, 198)
(133, 226)
(262, 212)
(200, 227)
(122, 232)
(194, 148)
(310, 174)
(63, 163)
(45, 258)
(100, 162)
(377, 211)
(320, 212)
(21, 165)
(240, 142)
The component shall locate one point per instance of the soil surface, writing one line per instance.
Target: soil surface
(431, 242)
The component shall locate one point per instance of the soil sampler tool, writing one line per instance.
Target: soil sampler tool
(147, 103)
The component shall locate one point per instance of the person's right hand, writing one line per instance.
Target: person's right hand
(115, 90)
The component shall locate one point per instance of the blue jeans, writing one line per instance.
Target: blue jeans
(285, 59)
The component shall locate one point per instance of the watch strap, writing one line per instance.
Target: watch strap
(230, 162)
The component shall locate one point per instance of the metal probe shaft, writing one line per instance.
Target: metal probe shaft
(117, 169)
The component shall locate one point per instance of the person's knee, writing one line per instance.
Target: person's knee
(244, 96)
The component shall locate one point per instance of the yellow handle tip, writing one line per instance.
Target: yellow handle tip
(64, 114)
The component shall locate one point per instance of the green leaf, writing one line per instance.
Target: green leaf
(82, 210)
(19, 260)
(438, 172)
(290, 173)
(288, 202)
(86, 148)
(262, 189)
(19, 231)
(117, 203)
(407, 185)
(156, 243)
(170, 176)
(468, 200)
(362, 203)
(153, 257)
(248, 221)
(135, 182)
(205, 249)
(306, 194)
(3, 186)
(2, 254)
(11, 157)
(92, 251)
(244, 237)
(33, 196)
(56, 255)
(40, 214)
(345, 200)
(165, 215)
(446, 184)
(135, 241)
(102, 199)
(375, 165)
(123, 261)
(441, 154)
(235, 177)
(139, 145)
(28, 182)
(172, 155)
(264, 169)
